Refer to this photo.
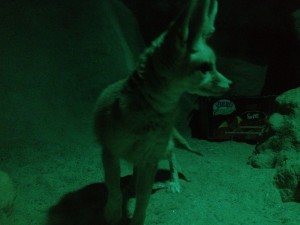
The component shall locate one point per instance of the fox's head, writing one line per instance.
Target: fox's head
(183, 56)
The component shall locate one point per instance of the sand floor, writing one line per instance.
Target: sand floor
(222, 189)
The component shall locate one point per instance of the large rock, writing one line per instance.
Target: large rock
(281, 149)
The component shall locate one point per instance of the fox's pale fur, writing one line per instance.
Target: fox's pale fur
(135, 116)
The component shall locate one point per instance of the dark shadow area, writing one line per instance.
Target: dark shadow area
(152, 26)
(297, 193)
(81, 207)
(85, 206)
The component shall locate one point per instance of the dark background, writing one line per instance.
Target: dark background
(56, 56)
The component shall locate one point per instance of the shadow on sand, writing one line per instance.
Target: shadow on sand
(85, 206)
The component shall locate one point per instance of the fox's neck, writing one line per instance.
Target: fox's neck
(159, 94)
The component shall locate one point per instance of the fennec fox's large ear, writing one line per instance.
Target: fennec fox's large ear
(189, 30)
(201, 24)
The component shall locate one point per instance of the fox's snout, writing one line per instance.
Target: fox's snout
(212, 83)
(223, 82)
(218, 85)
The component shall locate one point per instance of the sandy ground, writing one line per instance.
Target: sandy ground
(223, 189)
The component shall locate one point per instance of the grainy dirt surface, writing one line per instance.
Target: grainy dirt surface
(223, 189)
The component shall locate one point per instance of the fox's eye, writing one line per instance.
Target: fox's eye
(205, 67)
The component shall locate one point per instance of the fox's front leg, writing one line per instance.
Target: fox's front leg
(144, 180)
(113, 207)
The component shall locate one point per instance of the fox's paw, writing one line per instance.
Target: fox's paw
(170, 186)
(173, 187)
(113, 213)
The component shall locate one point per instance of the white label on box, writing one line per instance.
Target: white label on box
(223, 107)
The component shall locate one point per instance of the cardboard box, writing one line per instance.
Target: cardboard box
(231, 118)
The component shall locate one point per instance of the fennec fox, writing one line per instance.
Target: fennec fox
(135, 116)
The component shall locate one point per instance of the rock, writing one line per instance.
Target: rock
(289, 98)
(7, 198)
(287, 180)
(281, 149)
(266, 159)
